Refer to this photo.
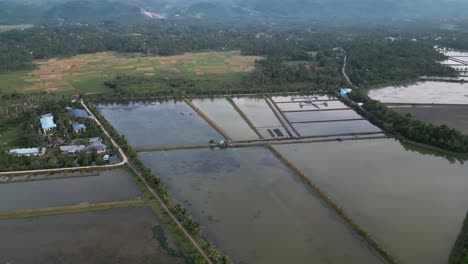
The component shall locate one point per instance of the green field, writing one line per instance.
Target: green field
(86, 73)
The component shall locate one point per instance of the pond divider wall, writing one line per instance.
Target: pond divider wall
(70, 209)
(28, 178)
(316, 110)
(373, 243)
(286, 118)
(208, 119)
(328, 121)
(275, 111)
(246, 119)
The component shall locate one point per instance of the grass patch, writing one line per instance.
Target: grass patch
(86, 73)
(69, 209)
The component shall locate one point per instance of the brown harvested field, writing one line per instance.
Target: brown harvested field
(451, 116)
(86, 73)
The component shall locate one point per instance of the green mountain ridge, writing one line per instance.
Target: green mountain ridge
(324, 11)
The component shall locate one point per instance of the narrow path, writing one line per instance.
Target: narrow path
(207, 119)
(122, 154)
(70, 209)
(164, 206)
(345, 61)
(246, 119)
(280, 118)
(143, 180)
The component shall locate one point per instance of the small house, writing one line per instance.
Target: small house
(106, 157)
(79, 113)
(72, 149)
(95, 140)
(27, 152)
(78, 128)
(47, 123)
(56, 143)
(345, 91)
(100, 148)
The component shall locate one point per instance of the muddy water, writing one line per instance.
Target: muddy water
(451, 116)
(301, 98)
(315, 106)
(103, 186)
(332, 128)
(414, 204)
(103, 237)
(254, 208)
(322, 115)
(260, 114)
(224, 114)
(423, 92)
(159, 124)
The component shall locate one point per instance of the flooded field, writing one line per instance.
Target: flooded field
(451, 116)
(224, 114)
(321, 115)
(103, 237)
(159, 124)
(52, 190)
(261, 115)
(423, 92)
(414, 204)
(255, 209)
(325, 105)
(297, 98)
(332, 128)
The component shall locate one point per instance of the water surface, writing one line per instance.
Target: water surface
(332, 128)
(423, 92)
(414, 204)
(105, 186)
(322, 115)
(451, 116)
(224, 114)
(255, 209)
(113, 236)
(159, 124)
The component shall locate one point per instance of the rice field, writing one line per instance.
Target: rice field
(86, 73)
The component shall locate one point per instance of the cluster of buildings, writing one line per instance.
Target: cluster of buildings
(48, 126)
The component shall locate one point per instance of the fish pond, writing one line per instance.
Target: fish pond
(424, 93)
(59, 189)
(414, 204)
(255, 209)
(123, 235)
(158, 123)
(261, 115)
(451, 116)
(224, 114)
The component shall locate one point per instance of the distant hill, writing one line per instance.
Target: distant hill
(94, 11)
(238, 11)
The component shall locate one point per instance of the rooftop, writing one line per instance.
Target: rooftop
(72, 148)
(79, 127)
(24, 151)
(80, 113)
(47, 121)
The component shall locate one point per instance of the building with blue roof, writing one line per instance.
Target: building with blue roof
(79, 113)
(27, 152)
(79, 128)
(47, 123)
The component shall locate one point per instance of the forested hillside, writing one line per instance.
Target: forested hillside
(337, 12)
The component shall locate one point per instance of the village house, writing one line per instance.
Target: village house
(47, 123)
(100, 148)
(72, 150)
(79, 113)
(27, 152)
(95, 140)
(78, 128)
